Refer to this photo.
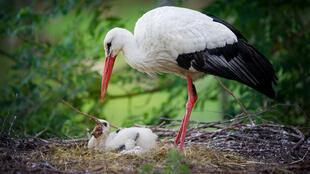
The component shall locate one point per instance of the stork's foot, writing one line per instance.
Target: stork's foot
(182, 131)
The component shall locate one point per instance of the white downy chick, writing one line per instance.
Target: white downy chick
(133, 139)
(99, 135)
(130, 138)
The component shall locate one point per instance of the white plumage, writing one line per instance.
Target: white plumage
(155, 46)
(133, 138)
(179, 30)
(189, 44)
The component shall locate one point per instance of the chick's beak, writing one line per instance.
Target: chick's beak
(106, 74)
(97, 131)
(96, 134)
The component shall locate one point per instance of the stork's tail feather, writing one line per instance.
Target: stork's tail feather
(262, 70)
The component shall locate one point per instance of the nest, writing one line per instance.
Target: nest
(229, 146)
(268, 142)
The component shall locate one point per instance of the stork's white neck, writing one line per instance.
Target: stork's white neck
(141, 59)
(133, 54)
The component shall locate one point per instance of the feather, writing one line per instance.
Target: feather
(228, 25)
(239, 61)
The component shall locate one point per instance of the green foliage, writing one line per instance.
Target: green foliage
(280, 30)
(46, 68)
(57, 47)
(174, 164)
(51, 50)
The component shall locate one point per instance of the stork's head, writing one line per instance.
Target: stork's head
(114, 41)
(102, 128)
(113, 44)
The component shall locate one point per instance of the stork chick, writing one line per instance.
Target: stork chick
(99, 135)
(126, 139)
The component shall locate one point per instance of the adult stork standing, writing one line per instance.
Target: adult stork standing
(189, 44)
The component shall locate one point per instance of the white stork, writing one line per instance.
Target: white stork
(189, 44)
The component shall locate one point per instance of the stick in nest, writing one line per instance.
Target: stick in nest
(93, 118)
(232, 94)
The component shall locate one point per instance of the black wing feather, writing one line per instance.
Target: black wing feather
(232, 28)
(239, 61)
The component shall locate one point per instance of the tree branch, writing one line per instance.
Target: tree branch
(85, 114)
(128, 95)
(232, 94)
(11, 57)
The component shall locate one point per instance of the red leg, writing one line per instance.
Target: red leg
(176, 141)
(192, 97)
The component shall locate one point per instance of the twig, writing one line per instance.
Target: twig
(11, 125)
(11, 57)
(3, 122)
(267, 141)
(301, 158)
(232, 94)
(75, 140)
(128, 95)
(161, 124)
(46, 163)
(40, 133)
(79, 112)
(96, 120)
(302, 140)
(284, 104)
(211, 123)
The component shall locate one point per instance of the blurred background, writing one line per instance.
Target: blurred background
(51, 50)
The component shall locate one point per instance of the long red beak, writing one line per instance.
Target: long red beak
(108, 66)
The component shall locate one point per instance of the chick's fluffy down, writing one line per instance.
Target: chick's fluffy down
(131, 137)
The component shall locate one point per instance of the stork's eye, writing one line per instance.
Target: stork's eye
(109, 45)
(105, 124)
